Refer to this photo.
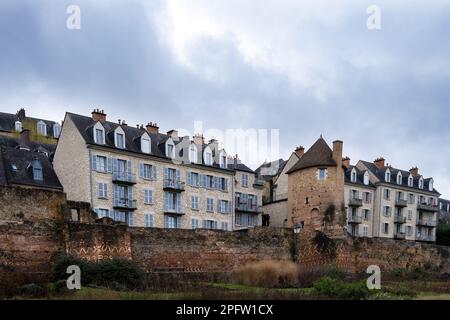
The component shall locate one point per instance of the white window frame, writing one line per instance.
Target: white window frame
(410, 181)
(148, 220)
(146, 144)
(387, 175)
(209, 204)
(41, 128)
(102, 190)
(244, 181)
(223, 163)
(430, 185)
(399, 178)
(119, 132)
(148, 196)
(320, 176)
(421, 183)
(170, 142)
(99, 126)
(193, 153)
(56, 130)
(207, 156)
(18, 126)
(195, 202)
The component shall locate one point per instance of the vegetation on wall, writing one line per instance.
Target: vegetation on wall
(34, 136)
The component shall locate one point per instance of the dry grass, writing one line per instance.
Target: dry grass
(267, 273)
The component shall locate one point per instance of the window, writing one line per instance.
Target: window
(385, 228)
(387, 211)
(225, 226)
(101, 213)
(399, 195)
(221, 184)
(99, 163)
(367, 197)
(194, 223)
(120, 140)
(387, 176)
(409, 231)
(170, 148)
(208, 157)
(18, 126)
(387, 194)
(102, 189)
(366, 178)
(365, 231)
(146, 144)
(42, 128)
(99, 136)
(307, 200)
(193, 153)
(410, 214)
(194, 202)
(322, 174)
(224, 206)
(130, 219)
(209, 182)
(210, 224)
(209, 204)
(172, 222)
(56, 130)
(223, 161)
(37, 171)
(399, 178)
(411, 198)
(366, 214)
(193, 179)
(120, 216)
(353, 176)
(410, 181)
(148, 220)
(421, 183)
(245, 180)
(148, 196)
(430, 185)
(147, 171)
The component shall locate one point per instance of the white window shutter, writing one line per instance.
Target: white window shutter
(109, 164)
(94, 162)
(153, 172)
(141, 170)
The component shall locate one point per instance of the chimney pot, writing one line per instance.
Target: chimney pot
(414, 171)
(152, 128)
(98, 115)
(300, 151)
(379, 162)
(21, 114)
(346, 162)
(199, 139)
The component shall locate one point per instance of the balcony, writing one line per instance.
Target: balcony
(425, 238)
(355, 202)
(426, 222)
(401, 202)
(123, 177)
(258, 183)
(173, 185)
(399, 219)
(399, 236)
(123, 203)
(354, 219)
(427, 207)
(246, 207)
(178, 210)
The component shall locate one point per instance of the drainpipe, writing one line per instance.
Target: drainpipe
(90, 178)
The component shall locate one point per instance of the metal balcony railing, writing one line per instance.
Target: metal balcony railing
(427, 207)
(426, 222)
(355, 202)
(401, 202)
(124, 203)
(174, 209)
(126, 177)
(399, 219)
(176, 185)
(354, 219)
(399, 235)
(425, 238)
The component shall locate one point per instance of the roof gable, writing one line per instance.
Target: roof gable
(320, 154)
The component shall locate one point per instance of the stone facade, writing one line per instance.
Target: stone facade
(278, 213)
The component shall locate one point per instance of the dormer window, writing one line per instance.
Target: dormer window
(56, 130)
(208, 157)
(37, 171)
(18, 126)
(119, 138)
(387, 176)
(146, 146)
(399, 178)
(366, 178)
(193, 153)
(42, 128)
(410, 181)
(99, 133)
(223, 159)
(170, 148)
(421, 183)
(430, 185)
(353, 176)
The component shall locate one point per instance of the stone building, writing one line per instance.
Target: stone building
(29, 187)
(316, 189)
(444, 210)
(40, 130)
(143, 177)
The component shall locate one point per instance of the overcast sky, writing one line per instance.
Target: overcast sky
(305, 69)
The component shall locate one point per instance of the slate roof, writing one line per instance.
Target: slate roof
(240, 167)
(8, 120)
(359, 177)
(320, 154)
(380, 174)
(15, 164)
(85, 126)
(445, 204)
(271, 169)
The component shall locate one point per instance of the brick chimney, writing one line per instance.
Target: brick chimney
(300, 151)
(99, 115)
(173, 133)
(414, 171)
(24, 139)
(346, 162)
(337, 152)
(379, 162)
(21, 114)
(152, 127)
(199, 139)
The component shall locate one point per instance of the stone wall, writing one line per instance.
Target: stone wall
(20, 204)
(278, 213)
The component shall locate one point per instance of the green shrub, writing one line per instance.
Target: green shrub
(333, 288)
(443, 234)
(33, 290)
(119, 273)
(335, 272)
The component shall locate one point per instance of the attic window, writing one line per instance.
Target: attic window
(366, 178)
(430, 185)
(193, 154)
(37, 171)
(56, 130)
(18, 126)
(208, 157)
(145, 144)
(399, 178)
(387, 176)
(120, 140)
(42, 128)
(353, 176)
(410, 181)
(421, 183)
(99, 133)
